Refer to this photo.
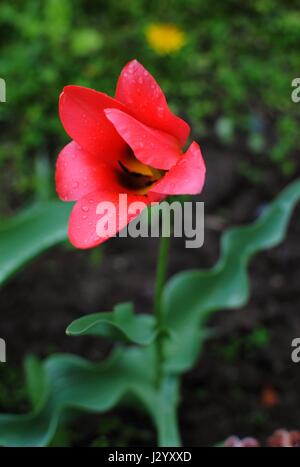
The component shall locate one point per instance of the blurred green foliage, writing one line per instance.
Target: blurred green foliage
(12, 389)
(233, 77)
(237, 345)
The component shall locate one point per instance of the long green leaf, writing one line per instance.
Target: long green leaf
(26, 235)
(36, 382)
(75, 383)
(121, 325)
(191, 296)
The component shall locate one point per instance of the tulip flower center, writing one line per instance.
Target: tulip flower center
(136, 176)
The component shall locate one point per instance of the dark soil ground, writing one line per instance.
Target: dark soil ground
(245, 382)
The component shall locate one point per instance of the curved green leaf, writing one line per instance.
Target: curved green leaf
(29, 233)
(36, 382)
(120, 324)
(74, 383)
(191, 296)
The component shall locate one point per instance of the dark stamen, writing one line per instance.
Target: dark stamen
(135, 174)
(135, 179)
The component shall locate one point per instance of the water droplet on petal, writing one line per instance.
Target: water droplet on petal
(84, 208)
(160, 112)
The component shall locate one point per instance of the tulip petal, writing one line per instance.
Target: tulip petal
(79, 173)
(186, 177)
(81, 113)
(141, 94)
(152, 147)
(85, 230)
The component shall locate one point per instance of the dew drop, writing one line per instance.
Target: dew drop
(84, 208)
(75, 185)
(160, 112)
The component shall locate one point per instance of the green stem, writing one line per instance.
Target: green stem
(167, 422)
(161, 272)
(168, 432)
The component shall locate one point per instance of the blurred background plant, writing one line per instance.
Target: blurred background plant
(228, 69)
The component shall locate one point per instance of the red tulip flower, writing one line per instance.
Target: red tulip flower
(131, 144)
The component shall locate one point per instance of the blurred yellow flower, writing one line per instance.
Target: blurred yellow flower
(165, 38)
